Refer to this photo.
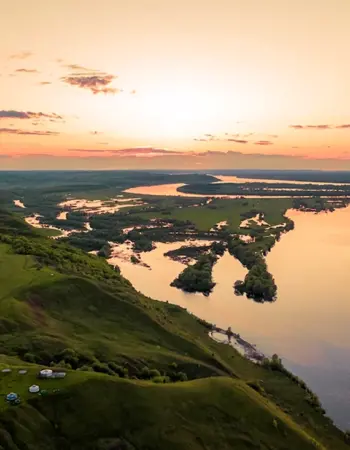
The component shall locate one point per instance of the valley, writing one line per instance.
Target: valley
(91, 322)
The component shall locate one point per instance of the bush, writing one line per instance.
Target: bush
(154, 373)
(122, 372)
(145, 373)
(102, 368)
(29, 357)
(178, 376)
(256, 385)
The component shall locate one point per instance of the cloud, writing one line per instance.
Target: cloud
(78, 67)
(239, 138)
(27, 70)
(13, 114)
(263, 143)
(21, 55)
(44, 83)
(102, 143)
(28, 132)
(141, 152)
(321, 127)
(87, 150)
(238, 141)
(95, 82)
(133, 91)
(344, 126)
(311, 127)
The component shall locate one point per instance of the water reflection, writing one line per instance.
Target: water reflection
(308, 324)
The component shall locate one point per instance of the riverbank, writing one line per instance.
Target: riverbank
(311, 281)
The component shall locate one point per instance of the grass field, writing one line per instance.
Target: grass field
(48, 232)
(206, 217)
(211, 414)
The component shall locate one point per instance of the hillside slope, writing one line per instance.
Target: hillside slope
(63, 308)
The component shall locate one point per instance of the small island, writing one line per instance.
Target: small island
(198, 277)
(258, 284)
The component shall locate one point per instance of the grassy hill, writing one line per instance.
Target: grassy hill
(126, 356)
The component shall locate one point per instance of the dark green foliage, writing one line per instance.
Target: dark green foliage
(122, 372)
(105, 251)
(263, 188)
(197, 278)
(102, 368)
(258, 284)
(134, 259)
(218, 248)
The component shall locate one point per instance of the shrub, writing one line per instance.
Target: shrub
(119, 370)
(102, 368)
(29, 357)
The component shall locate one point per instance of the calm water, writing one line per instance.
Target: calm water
(172, 188)
(308, 325)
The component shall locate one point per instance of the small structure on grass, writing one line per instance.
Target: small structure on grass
(6, 370)
(22, 371)
(11, 397)
(58, 374)
(34, 389)
(45, 373)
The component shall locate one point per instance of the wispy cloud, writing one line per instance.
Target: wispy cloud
(44, 83)
(28, 132)
(238, 138)
(263, 143)
(143, 152)
(20, 55)
(344, 126)
(96, 132)
(13, 114)
(320, 127)
(87, 150)
(23, 70)
(237, 141)
(95, 82)
(78, 67)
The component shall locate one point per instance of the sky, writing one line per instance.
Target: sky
(174, 84)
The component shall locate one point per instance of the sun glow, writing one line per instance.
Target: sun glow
(178, 112)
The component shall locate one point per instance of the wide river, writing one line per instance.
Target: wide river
(308, 325)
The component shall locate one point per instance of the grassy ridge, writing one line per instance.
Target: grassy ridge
(212, 413)
(47, 306)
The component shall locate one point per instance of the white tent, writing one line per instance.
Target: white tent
(34, 389)
(46, 373)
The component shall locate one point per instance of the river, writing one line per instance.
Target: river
(308, 325)
(171, 189)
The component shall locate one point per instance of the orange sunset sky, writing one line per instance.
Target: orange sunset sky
(174, 84)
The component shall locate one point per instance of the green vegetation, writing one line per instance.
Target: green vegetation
(188, 252)
(128, 358)
(258, 284)
(262, 188)
(207, 216)
(198, 277)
